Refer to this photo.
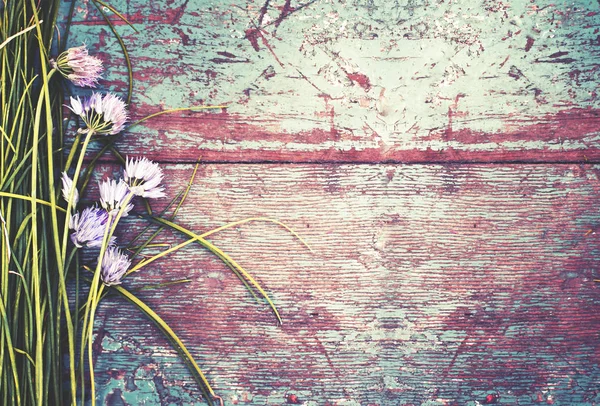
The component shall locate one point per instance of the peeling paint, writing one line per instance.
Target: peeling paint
(420, 55)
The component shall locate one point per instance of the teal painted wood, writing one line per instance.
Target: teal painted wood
(431, 284)
(411, 81)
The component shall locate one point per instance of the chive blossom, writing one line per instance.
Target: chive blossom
(143, 177)
(114, 196)
(89, 227)
(102, 115)
(114, 266)
(80, 68)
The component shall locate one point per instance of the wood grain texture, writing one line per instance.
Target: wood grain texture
(431, 284)
(358, 81)
(464, 278)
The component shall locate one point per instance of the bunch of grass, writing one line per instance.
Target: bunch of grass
(46, 329)
(32, 273)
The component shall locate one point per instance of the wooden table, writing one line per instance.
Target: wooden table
(441, 158)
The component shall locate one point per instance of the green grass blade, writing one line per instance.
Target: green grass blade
(121, 16)
(262, 219)
(11, 349)
(225, 258)
(207, 391)
(36, 269)
(160, 113)
(181, 196)
(123, 48)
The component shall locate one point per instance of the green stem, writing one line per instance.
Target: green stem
(86, 142)
(96, 292)
(159, 113)
(29, 199)
(242, 274)
(62, 256)
(74, 147)
(90, 343)
(88, 325)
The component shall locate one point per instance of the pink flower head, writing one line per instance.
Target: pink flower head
(89, 227)
(114, 266)
(143, 177)
(102, 115)
(80, 68)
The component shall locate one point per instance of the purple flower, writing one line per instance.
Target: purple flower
(114, 266)
(80, 68)
(89, 227)
(113, 196)
(144, 177)
(67, 185)
(102, 115)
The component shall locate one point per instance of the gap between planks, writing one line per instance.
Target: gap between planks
(371, 163)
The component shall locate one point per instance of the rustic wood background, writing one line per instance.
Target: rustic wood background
(441, 157)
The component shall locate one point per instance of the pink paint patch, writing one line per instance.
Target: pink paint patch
(360, 79)
(293, 399)
(529, 44)
(252, 36)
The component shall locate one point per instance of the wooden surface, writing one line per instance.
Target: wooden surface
(440, 157)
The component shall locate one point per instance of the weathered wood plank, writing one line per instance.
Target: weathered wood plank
(435, 284)
(359, 81)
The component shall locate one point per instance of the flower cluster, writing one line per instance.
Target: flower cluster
(93, 227)
(103, 115)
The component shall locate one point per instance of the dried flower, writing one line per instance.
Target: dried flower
(144, 177)
(67, 185)
(89, 227)
(115, 195)
(114, 266)
(80, 68)
(102, 115)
